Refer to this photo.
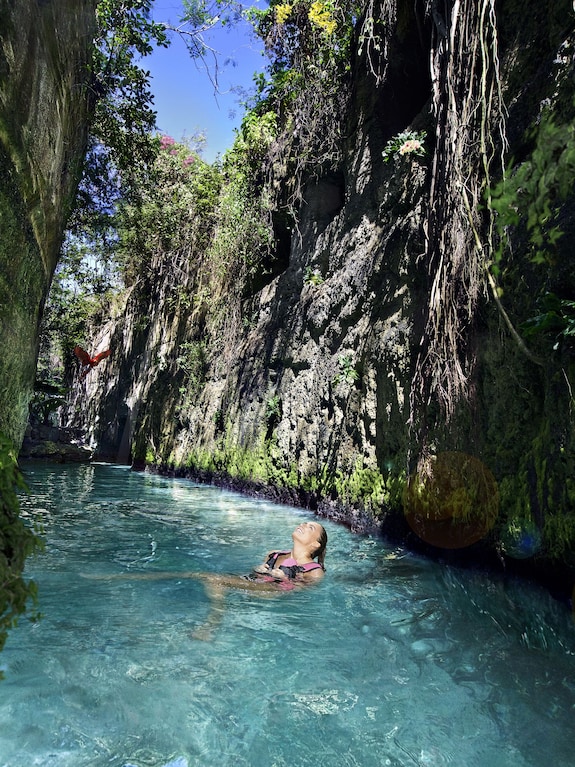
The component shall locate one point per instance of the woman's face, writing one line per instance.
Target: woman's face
(308, 534)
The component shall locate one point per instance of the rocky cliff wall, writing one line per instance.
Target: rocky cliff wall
(45, 48)
(315, 393)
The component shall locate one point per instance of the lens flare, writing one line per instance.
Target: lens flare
(451, 500)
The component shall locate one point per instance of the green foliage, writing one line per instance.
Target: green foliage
(175, 214)
(125, 117)
(43, 405)
(360, 486)
(559, 536)
(258, 132)
(124, 114)
(243, 239)
(347, 372)
(273, 410)
(368, 487)
(242, 246)
(122, 147)
(530, 196)
(17, 543)
(312, 276)
(556, 318)
(192, 361)
(306, 84)
(305, 33)
(406, 144)
(527, 204)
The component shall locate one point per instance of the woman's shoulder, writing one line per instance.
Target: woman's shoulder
(313, 573)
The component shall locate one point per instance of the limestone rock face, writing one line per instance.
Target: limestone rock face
(45, 48)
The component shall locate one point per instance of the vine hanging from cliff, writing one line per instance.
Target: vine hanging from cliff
(470, 137)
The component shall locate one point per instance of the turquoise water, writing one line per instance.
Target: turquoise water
(391, 660)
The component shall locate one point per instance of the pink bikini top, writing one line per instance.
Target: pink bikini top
(290, 566)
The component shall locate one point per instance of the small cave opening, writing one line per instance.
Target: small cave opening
(278, 261)
(323, 199)
(405, 88)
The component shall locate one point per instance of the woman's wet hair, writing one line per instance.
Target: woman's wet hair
(322, 543)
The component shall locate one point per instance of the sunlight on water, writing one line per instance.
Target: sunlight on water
(391, 660)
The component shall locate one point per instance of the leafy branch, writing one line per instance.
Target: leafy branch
(527, 203)
(531, 195)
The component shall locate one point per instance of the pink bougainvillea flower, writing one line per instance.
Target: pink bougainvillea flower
(189, 160)
(166, 141)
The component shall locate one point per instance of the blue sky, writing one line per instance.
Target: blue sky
(184, 96)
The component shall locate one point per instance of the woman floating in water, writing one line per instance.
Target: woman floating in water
(281, 570)
(302, 566)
